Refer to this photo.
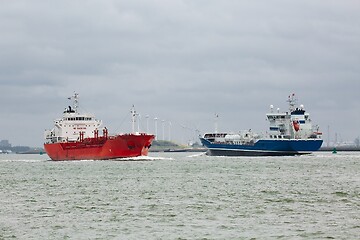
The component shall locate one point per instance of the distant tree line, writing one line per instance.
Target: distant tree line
(16, 149)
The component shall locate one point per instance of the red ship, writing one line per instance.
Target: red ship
(76, 137)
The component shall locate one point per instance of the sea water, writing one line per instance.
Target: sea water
(181, 196)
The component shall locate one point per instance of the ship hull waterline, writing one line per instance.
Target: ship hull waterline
(119, 146)
(290, 147)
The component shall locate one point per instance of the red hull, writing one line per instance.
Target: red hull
(101, 148)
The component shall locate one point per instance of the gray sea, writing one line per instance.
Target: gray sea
(181, 196)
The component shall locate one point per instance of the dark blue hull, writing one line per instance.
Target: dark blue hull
(265, 147)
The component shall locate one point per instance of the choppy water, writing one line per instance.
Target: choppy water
(181, 196)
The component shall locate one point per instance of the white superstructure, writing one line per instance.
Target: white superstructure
(295, 124)
(73, 126)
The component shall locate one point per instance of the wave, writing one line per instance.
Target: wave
(143, 158)
(197, 155)
(24, 160)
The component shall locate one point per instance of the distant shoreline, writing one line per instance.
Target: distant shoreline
(340, 148)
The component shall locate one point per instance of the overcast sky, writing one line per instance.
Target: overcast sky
(181, 61)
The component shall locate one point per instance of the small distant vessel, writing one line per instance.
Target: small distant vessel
(76, 137)
(290, 133)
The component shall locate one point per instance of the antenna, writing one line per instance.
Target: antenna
(75, 99)
(216, 122)
(292, 102)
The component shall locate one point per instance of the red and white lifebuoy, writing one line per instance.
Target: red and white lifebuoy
(296, 125)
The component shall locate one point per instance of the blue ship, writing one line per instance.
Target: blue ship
(290, 133)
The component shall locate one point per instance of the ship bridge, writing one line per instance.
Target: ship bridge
(295, 123)
(73, 125)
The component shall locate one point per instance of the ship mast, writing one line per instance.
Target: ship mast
(75, 98)
(133, 118)
(216, 122)
(292, 102)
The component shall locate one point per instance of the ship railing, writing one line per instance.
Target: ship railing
(52, 139)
